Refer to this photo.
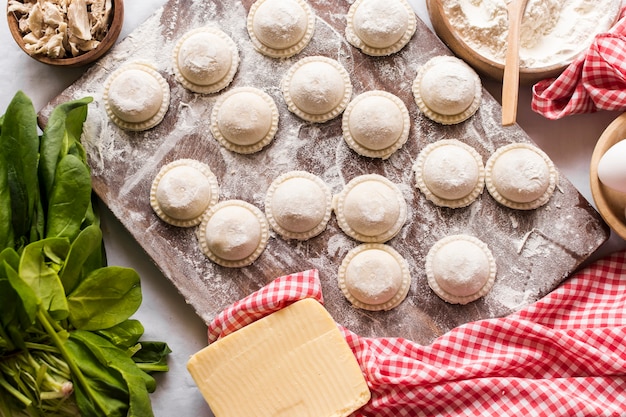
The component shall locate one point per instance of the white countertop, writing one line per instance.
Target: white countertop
(164, 313)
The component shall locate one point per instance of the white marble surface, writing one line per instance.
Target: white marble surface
(166, 316)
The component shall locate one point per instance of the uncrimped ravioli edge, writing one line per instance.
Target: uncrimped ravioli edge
(338, 203)
(531, 205)
(240, 262)
(217, 86)
(288, 234)
(355, 41)
(244, 149)
(397, 299)
(287, 52)
(317, 118)
(200, 166)
(165, 102)
(451, 298)
(418, 169)
(381, 153)
(443, 118)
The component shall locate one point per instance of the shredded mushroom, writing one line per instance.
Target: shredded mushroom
(61, 28)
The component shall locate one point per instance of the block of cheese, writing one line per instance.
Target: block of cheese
(292, 363)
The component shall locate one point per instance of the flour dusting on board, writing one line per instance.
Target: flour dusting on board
(532, 253)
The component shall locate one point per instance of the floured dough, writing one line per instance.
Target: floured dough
(182, 191)
(233, 233)
(447, 90)
(205, 60)
(520, 176)
(380, 27)
(298, 205)
(370, 208)
(460, 268)
(449, 173)
(244, 119)
(376, 124)
(280, 28)
(374, 277)
(136, 97)
(317, 88)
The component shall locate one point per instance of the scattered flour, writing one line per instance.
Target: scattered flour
(124, 164)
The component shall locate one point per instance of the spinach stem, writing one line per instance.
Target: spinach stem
(41, 347)
(16, 393)
(146, 367)
(46, 321)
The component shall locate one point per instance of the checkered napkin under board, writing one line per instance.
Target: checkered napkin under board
(564, 355)
(596, 80)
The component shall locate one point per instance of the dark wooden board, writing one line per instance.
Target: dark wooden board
(534, 250)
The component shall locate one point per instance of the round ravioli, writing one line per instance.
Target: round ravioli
(205, 60)
(244, 120)
(460, 268)
(380, 27)
(374, 277)
(233, 233)
(182, 191)
(136, 96)
(520, 176)
(449, 173)
(317, 88)
(447, 90)
(370, 208)
(376, 124)
(280, 28)
(298, 205)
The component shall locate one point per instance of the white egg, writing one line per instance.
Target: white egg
(612, 167)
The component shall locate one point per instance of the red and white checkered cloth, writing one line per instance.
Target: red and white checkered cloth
(564, 355)
(596, 80)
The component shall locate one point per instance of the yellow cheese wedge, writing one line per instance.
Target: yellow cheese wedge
(292, 363)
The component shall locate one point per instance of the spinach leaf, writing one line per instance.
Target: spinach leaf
(19, 143)
(18, 302)
(124, 335)
(112, 358)
(39, 266)
(10, 256)
(24, 298)
(105, 298)
(86, 244)
(152, 356)
(38, 223)
(61, 133)
(69, 199)
(6, 222)
(106, 393)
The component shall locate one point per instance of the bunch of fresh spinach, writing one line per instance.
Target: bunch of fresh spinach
(67, 343)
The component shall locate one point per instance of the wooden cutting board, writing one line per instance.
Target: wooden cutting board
(534, 250)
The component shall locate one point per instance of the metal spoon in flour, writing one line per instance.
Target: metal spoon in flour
(510, 80)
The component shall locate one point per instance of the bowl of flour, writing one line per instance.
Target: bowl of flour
(553, 32)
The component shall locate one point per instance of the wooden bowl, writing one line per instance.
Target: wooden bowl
(115, 27)
(610, 203)
(449, 35)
